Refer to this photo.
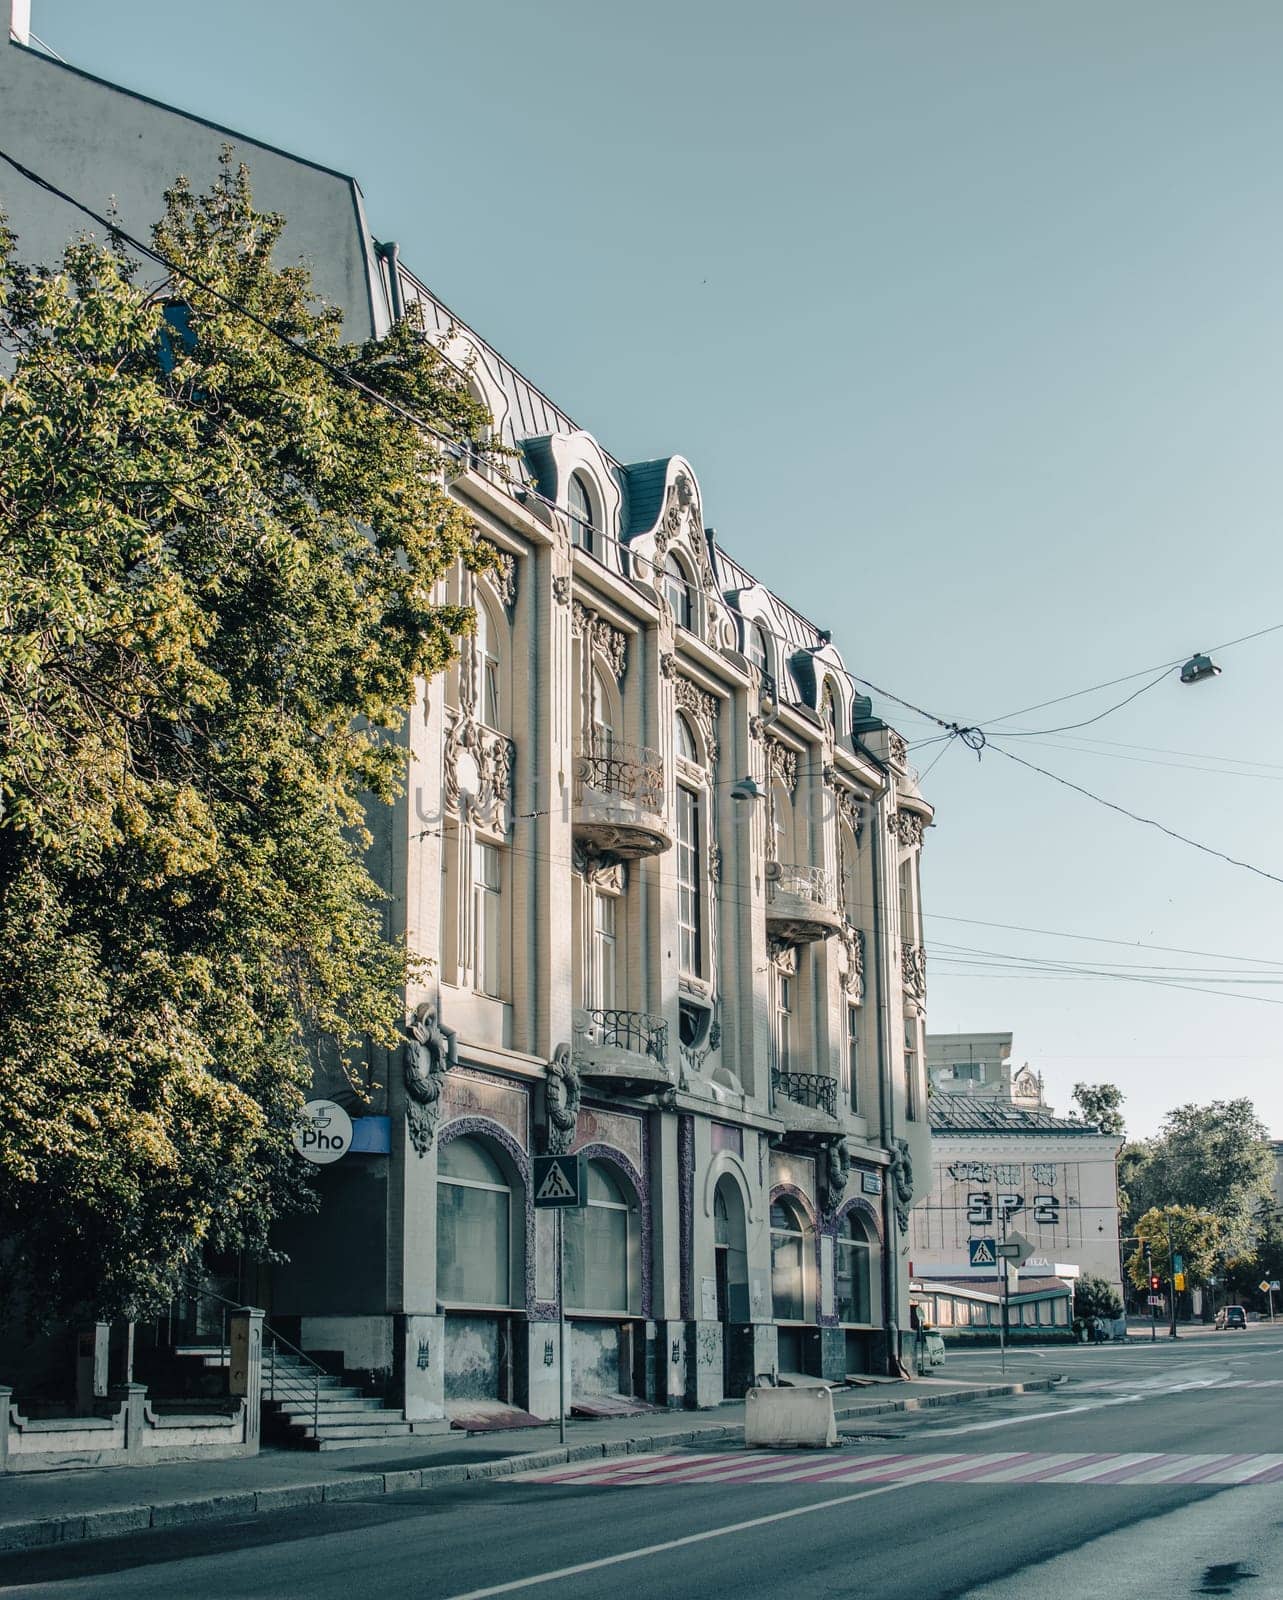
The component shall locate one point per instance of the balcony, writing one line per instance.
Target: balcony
(800, 903)
(806, 1103)
(619, 803)
(626, 1051)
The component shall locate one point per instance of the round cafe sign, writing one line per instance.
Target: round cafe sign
(323, 1132)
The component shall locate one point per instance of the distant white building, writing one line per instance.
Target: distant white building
(998, 1151)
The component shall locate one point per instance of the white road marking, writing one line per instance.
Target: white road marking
(675, 1544)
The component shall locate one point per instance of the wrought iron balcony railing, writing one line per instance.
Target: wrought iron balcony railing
(803, 883)
(637, 1031)
(627, 772)
(811, 1089)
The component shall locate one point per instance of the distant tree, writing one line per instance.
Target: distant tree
(1133, 1164)
(219, 596)
(1095, 1297)
(1195, 1236)
(1244, 1274)
(1215, 1158)
(1100, 1104)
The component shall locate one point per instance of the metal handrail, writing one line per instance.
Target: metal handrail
(628, 1030)
(270, 1334)
(632, 772)
(812, 1089)
(807, 883)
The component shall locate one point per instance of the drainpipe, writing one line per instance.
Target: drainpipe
(886, 1102)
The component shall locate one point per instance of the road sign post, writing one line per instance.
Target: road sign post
(560, 1184)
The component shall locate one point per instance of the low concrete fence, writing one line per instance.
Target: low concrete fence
(780, 1418)
(134, 1433)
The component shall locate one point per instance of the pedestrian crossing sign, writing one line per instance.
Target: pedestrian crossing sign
(983, 1252)
(560, 1181)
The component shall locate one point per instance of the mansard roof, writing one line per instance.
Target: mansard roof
(970, 1113)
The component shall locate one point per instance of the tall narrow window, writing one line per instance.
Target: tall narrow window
(474, 1227)
(851, 1272)
(853, 1054)
(602, 986)
(757, 651)
(487, 910)
(908, 921)
(783, 1039)
(603, 734)
(789, 1273)
(599, 1247)
(689, 903)
(487, 648)
(910, 1072)
(684, 740)
(580, 508)
(677, 590)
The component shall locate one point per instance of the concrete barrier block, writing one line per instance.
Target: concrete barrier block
(783, 1418)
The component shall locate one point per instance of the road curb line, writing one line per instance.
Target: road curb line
(48, 1532)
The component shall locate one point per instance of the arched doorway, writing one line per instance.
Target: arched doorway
(604, 1286)
(730, 1255)
(792, 1280)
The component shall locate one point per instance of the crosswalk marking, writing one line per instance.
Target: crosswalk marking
(658, 1470)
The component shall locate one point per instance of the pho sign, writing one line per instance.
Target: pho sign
(323, 1132)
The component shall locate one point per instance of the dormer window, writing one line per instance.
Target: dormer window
(579, 507)
(677, 591)
(758, 654)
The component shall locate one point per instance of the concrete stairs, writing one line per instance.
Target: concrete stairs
(309, 1410)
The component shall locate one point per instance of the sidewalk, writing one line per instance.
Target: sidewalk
(45, 1508)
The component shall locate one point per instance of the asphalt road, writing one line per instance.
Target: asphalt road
(1152, 1471)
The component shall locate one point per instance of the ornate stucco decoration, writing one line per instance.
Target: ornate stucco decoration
(783, 956)
(851, 811)
(600, 636)
(851, 961)
(897, 748)
(913, 970)
(836, 1169)
(781, 763)
(700, 706)
(908, 827)
(714, 863)
(431, 1050)
(683, 521)
(503, 575)
(598, 870)
(694, 1056)
(901, 1175)
(561, 589)
(477, 770)
(563, 1092)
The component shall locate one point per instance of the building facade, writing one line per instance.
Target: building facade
(662, 862)
(1001, 1159)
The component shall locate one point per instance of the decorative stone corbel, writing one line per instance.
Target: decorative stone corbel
(562, 1094)
(431, 1050)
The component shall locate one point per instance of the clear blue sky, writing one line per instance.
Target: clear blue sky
(973, 308)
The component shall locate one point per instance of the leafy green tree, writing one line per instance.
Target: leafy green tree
(1095, 1297)
(1133, 1162)
(1215, 1158)
(218, 598)
(1196, 1236)
(1101, 1105)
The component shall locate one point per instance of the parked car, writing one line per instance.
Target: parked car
(1231, 1317)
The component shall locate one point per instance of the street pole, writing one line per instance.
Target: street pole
(561, 1325)
(1171, 1273)
(1002, 1325)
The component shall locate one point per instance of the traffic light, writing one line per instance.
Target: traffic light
(1155, 1283)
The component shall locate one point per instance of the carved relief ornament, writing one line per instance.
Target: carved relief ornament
(430, 1051)
(782, 764)
(503, 575)
(700, 706)
(908, 827)
(600, 636)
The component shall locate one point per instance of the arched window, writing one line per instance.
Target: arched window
(790, 1267)
(850, 874)
(600, 1245)
(677, 590)
(474, 1227)
(684, 741)
(830, 712)
(730, 1251)
(851, 1271)
(579, 506)
(758, 652)
(603, 732)
(486, 642)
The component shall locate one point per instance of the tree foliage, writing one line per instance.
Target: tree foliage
(1215, 1158)
(1196, 1236)
(1101, 1105)
(217, 595)
(1096, 1297)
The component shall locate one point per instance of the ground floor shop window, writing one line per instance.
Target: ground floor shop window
(852, 1273)
(600, 1247)
(790, 1243)
(474, 1226)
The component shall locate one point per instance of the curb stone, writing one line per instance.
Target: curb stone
(45, 1532)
